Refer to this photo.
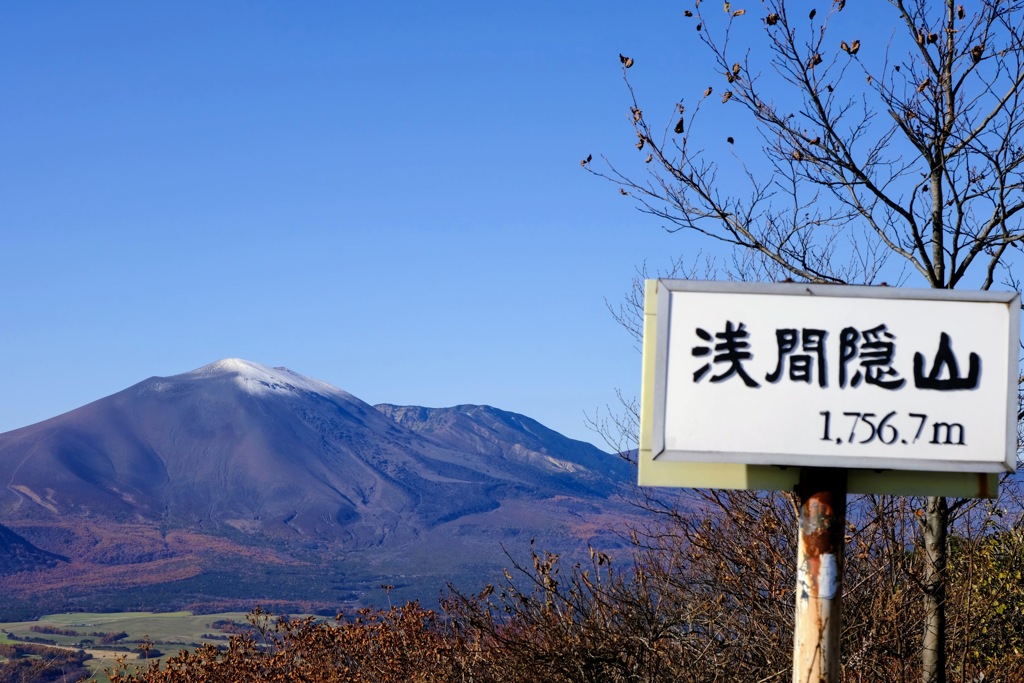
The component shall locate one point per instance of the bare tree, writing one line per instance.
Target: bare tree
(879, 156)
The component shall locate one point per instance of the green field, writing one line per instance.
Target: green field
(169, 632)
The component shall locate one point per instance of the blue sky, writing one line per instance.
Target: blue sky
(384, 196)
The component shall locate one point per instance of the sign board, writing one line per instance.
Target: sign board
(760, 378)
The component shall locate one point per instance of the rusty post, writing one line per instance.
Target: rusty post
(821, 494)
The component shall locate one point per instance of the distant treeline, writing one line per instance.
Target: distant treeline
(106, 638)
(53, 630)
(28, 663)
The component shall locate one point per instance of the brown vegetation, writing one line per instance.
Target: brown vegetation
(708, 596)
(107, 556)
(25, 663)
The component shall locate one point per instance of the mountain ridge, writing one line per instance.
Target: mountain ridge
(244, 460)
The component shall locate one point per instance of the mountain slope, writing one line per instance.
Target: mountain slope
(516, 440)
(18, 555)
(267, 464)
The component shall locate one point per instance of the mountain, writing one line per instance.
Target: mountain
(176, 480)
(516, 439)
(18, 555)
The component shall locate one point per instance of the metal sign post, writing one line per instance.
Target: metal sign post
(821, 494)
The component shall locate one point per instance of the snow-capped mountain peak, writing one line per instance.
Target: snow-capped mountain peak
(258, 379)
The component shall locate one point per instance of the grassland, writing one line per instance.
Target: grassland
(169, 632)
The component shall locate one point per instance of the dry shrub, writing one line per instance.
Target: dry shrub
(708, 595)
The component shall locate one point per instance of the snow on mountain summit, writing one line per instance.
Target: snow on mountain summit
(259, 379)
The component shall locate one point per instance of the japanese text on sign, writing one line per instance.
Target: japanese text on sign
(870, 353)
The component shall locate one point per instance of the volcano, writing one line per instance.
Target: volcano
(235, 459)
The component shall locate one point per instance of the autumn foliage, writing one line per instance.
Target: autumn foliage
(707, 595)
(31, 663)
(399, 644)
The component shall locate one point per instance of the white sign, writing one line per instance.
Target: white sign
(835, 376)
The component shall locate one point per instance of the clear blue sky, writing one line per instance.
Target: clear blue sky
(384, 196)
